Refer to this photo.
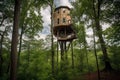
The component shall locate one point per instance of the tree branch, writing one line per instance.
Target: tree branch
(94, 11)
(2, 22)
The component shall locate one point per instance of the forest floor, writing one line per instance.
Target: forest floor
(104, 75)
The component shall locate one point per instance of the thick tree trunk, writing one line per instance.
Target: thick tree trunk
(13, 64)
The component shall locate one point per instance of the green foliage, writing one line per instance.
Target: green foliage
(112, 35)
(6, 8)
(114, 55)
(34, 65)
(111, 15)
(5, 65)
(31, 19)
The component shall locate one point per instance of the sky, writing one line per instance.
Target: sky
(62, 3)
(46, 22)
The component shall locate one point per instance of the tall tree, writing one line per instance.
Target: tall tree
(95, 51)
(13, 64)
(51, 4)
(29, 25)
(91, 11)
(113, 18)
(52, 40)
(97, 14)
(5, 20)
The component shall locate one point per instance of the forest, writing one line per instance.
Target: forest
(91, 56)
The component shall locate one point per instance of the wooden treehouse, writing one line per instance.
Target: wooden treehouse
(63, 30)
(63, 24)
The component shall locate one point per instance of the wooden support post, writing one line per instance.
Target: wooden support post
(66, 56)
(61, 52)
(57, 53)
(72, 55)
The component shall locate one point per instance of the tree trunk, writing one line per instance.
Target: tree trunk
(85, 48)
(2, 21)
(52, 40)
(103, 46)
(62, 53)
(1, 47)
(57, 53)
(1, 58)
(95, 52)
(20, 45)
(1, 43)
(96, 11)
(13, 64)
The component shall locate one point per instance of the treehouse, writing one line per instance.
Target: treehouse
(63, 24)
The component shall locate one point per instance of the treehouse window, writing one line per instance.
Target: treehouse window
(63, 11)
(58, 21)
(64, 20)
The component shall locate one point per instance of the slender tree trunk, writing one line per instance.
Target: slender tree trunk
(28, 60)
(86, 54)
(96, 54)
(20, 45)
(1, 58)
(22, 31)
(1, 44)
(81, 58)
(28, 56)
(62, 53)
(85, 48)
(57, 53)
(96, 10)
(8, 65)
(81, 62)
(1, 49)
(52, 40)
(13, 64)
(66, 56)
(103, 47)
(2, 21)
